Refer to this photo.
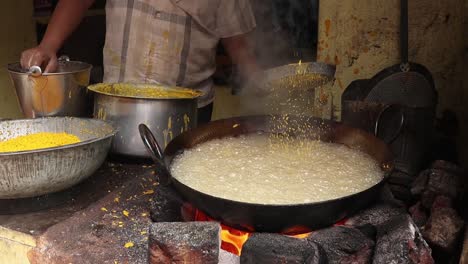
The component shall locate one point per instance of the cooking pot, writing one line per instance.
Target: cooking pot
(61, 93)
(167, 117)
(268, 217)
(38, 172)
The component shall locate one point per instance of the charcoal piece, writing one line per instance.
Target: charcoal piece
(441, 201)
(443, 183)
(344, 244)
(368, 230)
(401, 192)
(447, 166)
(401, 178)
(280, 249)
(166, 205)
(419, 184)
(419, 214)
(179, 242)
(399, 241)
(443, 229)
(375, 215)
(427, 199)
(387, 197)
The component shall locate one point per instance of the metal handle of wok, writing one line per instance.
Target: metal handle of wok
(156, 153)
(400, 126)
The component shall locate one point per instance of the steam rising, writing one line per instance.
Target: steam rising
(286, 33)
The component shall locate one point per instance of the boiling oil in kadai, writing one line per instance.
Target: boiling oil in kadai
(262, 169)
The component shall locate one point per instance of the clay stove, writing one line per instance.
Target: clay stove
(121, 215)
(384, 233)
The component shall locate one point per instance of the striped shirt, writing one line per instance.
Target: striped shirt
(170, 42)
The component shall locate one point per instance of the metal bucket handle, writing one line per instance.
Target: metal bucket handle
(400, 126)
(156, 153)
(36, 72)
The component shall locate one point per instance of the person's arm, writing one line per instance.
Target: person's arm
(241, 54)
(65, 19)
(251, 78)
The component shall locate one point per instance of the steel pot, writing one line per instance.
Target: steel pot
(166, 117)
(61, 93)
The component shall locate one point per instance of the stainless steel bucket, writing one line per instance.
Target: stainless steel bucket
(62, 93)
(166, 117)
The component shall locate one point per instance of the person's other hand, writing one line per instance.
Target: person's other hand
(39, 56)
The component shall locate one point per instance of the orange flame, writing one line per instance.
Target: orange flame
(232, 240)
(305, 235)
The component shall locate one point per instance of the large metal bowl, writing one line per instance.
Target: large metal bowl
(33, 173)
(166, 117)
(61, 93)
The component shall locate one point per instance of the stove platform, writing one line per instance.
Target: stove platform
(102, 220)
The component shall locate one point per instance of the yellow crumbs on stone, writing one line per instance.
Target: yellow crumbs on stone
(37, 141)
(128, 245)
(148, 192)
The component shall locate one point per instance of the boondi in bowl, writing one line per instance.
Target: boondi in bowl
(36, 141)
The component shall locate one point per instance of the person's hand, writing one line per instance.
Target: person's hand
(39, 56)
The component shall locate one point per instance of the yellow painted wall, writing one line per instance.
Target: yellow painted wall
(17, 33)
(361, 38)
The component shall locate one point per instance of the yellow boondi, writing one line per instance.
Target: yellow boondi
(37, 141)
(144, 91)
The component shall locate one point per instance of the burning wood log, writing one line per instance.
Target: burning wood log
(281, 249)
(344, 244)
(399, 241)
(184, 242)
